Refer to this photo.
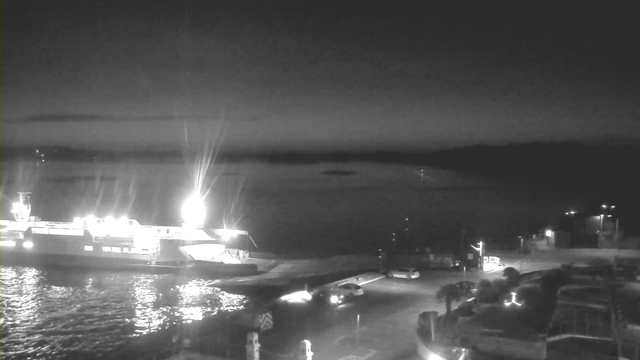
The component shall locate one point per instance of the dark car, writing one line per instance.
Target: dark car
(328, 297)
(457, 265)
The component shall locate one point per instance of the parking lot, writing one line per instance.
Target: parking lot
(377, 325)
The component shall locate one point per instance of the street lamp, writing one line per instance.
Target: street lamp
(605, 207)
(521, 244)
(479, 249)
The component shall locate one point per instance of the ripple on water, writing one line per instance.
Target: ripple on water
(59, 313)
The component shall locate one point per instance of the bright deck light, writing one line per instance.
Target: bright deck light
(27, 245)
(548, 233)
(226, 234)
(194, 211)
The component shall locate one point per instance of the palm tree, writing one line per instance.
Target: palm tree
(448, 293)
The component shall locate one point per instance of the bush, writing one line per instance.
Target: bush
(486, 293)
(465, 309)
(512, 275)
(501, 287)
(529, 296)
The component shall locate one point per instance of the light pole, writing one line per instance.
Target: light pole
(393, 243)
(406, 229)
(462, 233)
(521, 244)
(479, 249)
(572, 239)
(611, 208)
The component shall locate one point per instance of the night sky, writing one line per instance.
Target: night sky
(349, 75)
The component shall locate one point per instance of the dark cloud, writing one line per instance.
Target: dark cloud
(64, 117)
(339, 172)
(72, 117)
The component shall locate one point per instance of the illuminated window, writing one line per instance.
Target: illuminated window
(88, 248)
(116, 249)
(10, 243)
(106, 248)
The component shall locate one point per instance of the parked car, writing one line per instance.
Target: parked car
(404, 273)
(348, 289)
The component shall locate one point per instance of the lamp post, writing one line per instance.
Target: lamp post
(572, 239)
(479, 249)
(610, 209)
(406, 229)
(521, 244)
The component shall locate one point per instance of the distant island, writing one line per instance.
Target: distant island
(569, 164)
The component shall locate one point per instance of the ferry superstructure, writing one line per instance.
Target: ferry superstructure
(121, 243)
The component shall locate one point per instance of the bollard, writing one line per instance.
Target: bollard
(304, 352)
(253, 346)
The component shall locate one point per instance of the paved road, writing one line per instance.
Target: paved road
(388, 313)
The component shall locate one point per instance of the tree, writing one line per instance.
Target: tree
(448, 293)
(501, 288)
(466, 288)
(485, 292)
(512, 275)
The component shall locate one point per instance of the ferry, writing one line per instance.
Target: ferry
(124, 244)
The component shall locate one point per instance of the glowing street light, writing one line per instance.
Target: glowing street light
(194, 211)
(479, 249)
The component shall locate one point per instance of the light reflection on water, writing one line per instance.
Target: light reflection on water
(59, 312)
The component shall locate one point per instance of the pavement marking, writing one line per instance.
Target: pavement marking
(372, 280)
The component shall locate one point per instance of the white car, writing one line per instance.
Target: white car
(404, 273)
(348, 289)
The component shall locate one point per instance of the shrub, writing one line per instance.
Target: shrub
(529, 296)
(512, 275)
(486, 293)
(501, 287)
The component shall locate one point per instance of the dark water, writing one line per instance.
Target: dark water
(54, 313)
(316, 209)
(291, 208)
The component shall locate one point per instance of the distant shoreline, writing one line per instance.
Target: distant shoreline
(565, 164)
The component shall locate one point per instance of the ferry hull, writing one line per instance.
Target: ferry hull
(87, 252)
(10, 257)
